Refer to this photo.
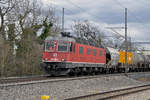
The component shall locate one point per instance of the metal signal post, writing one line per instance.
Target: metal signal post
(63, 19)
(126, 41)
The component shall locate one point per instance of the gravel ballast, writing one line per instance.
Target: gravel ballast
(65, 89)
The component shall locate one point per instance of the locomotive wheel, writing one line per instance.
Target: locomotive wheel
(100, 70)
(77, 71)
(90, 71)
(93, 71)
(84, 71)
(72, 72)
(96, 71)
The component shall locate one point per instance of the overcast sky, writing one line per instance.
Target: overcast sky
(108, 13)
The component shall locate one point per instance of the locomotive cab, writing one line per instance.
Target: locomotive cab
(56, 53)
(57, 50)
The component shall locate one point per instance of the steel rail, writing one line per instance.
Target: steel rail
(113, 94)
(5, 80)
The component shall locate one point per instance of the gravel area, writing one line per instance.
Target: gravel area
(66, 89)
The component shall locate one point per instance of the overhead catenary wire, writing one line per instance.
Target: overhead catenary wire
(67, 10)
(131, 13)
(116, 1)
(81, 9)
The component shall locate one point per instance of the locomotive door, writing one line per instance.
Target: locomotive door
(73, 52)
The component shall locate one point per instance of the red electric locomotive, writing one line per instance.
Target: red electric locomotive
(67, 55)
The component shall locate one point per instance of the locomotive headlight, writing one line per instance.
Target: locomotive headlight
(46, 59)
(63, 60)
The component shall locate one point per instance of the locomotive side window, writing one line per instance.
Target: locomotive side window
(81, 50)
(49, 45)
(62, 46)
(74, 47)
(71, 47)
(101, 53)
(88, 51)
(95, 52)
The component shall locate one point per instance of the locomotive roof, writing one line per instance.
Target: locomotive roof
(60, 38)
(90, 42)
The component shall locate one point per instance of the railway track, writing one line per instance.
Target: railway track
(22, 79)
(5, 82)
(113, 94)
(13, 81)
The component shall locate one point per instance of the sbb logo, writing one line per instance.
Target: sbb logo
(55, 55)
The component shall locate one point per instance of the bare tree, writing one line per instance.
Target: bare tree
(87, 30)
(5, 7)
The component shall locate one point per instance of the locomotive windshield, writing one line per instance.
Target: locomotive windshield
(63, 46)
(49, 46)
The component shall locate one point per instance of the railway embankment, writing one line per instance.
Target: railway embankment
(64, 89)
